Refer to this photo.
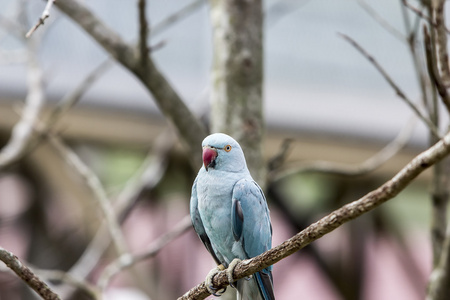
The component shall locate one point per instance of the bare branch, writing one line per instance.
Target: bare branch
(143, 34)
(89, 259)
(147, 177)
(69, 101)
(27, 275)
(278, 159)
(397, 89)
(176, 17)
(72, 98)
(95, 185)
(281, 9)
(422, 15)
(365, 167)
(332, 221)
(65, 277)
(382, 21)
(44, 16)
(128, 260)
(172, 106)
(438, 287)
(439, 187)
(433, 70)
(441, 39)
(420, 70)
(22, 132)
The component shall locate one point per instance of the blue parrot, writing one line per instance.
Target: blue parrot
(230, 215)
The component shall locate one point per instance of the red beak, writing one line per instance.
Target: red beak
(209, 156)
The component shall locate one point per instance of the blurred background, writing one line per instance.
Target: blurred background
(323, 100)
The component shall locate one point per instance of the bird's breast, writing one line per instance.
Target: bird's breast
(214, 193)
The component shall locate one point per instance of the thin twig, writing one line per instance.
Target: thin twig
(370, 164)
(414, 47)
(21, 142)
(176, 17)
(382, 21)
(433, 71)
(72, 98)
(281, 9)
(22, 132)
(37, 284)
(149, 175)
(44, 16)
(95, 185)
(332, 221)
(278, 159)
(128, 260)
(89, 259)
(65, 277)
(391, 82)
(422, 15)
(67, 103)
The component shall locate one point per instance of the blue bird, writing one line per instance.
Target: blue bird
(230, 215)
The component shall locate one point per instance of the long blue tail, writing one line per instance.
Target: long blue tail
(259, 287)
(265, 284)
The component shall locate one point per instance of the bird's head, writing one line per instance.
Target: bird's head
(222, 152)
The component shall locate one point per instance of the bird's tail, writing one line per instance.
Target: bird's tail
(259, 287)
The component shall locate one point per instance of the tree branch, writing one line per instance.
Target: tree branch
(441, 41)
(93, 182)
(147, 177)
(128, 260)
(149, 174)
(433, 71)
(382, 21)
(172, 106)
(397, 89)
(365, 167)
(332, 221)
(27, 275)
(22, 132)
(177, 16)
(44, 16)
(438, 287)
(143, 35)
(422, 15)
(65, 277)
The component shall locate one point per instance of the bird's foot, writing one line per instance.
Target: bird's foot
(230, 271)
(209, 282)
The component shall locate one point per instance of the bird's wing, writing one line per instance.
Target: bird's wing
(252, 228)
(198, 224)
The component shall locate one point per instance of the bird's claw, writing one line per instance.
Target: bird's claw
(230, 271)
(209, 282)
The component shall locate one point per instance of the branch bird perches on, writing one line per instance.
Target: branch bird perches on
(333, 220)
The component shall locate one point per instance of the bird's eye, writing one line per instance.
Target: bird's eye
(227, 148)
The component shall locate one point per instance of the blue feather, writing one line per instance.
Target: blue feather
(229, 213)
